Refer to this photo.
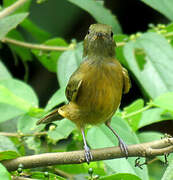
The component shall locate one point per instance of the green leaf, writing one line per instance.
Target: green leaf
(18, 94)
(4, 73)
(121, 176)
(7, 149)
(7, 97)
(57, 98)
(168, 175)
(26, 124)
(49, 59)
(34, 144)
(157, 63)
(68, 63)
(39, 34)
(99, 12)
(165, 101)
(22, 90)
(5, 175)
(164, 7)
(62, 131)
(23, 53)
(8, 111)
(99, 137)
(149, 136)
(153, 115)
(10, 22)
(120, 38)
(23, 8)
(6, 144)
(16, 98)
(8, 155)
(169, 28)
(135, 106)
(98, 168)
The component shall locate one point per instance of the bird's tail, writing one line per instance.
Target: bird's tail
(53, 116)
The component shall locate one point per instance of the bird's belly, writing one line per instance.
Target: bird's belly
(99, 98)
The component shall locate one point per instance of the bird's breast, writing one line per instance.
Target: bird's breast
(101, 90)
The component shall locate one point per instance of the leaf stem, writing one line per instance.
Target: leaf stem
(137, 112)
(169, 34)
(11, 8)
(36, 46)
(59, 172)
(21, 134)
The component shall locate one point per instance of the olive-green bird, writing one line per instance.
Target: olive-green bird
(95, 89)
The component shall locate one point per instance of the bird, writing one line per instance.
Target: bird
(95, 89)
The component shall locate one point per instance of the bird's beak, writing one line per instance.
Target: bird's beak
(99, 35)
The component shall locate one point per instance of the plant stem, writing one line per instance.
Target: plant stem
(21, 178)
(59, 172)
(12, 8)
(139, 111)
(22, 135)
(35, 46)
(169, 34)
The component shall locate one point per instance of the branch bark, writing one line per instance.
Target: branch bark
(154, 148)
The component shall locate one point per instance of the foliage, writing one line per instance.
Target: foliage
(148, 56)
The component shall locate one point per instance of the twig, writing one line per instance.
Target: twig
(154, 148)
(21, 178)
(120, 44)
(152, 160)
(12, 8)
(36, 46)
(21, 134)
(59, 172)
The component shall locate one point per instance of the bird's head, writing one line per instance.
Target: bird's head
(99, 41)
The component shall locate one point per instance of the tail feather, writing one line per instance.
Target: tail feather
(53, 116)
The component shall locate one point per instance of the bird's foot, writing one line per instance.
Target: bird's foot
(123, 147)
(88, 155)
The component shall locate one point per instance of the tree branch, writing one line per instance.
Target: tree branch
(12, 8)
(19, 135)
(154, 148)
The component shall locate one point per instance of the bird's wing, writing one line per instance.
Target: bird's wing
(73, 86)
(126, 81)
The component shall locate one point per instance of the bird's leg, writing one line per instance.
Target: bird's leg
(88, 154)
(122, 145)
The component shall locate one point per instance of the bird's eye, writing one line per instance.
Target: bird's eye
(112, 34)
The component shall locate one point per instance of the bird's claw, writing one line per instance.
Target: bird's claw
(123, 147)
(88, 154)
